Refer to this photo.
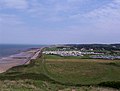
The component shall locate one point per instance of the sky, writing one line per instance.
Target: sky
(59, 21)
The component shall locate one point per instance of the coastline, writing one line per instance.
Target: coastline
(22, 58)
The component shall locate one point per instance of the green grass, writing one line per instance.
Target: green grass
(53, 57)
(28, 78)
(52, 75)
(65, 57)
(84, 73)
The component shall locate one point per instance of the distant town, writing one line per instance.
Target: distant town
(93, 51)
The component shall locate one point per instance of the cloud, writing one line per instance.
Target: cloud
(14, 4)
(103, 19)
(9, 20)
(111, 10)
(73, 20)
(54, 10)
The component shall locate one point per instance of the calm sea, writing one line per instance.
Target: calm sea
(10, 49)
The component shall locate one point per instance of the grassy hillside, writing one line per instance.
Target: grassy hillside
(75, 71)
(53, 74)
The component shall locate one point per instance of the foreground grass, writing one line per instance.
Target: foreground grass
(79, 72)
(28, 78)
(83, 71)
(61, 74)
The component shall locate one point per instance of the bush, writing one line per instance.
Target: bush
(112, 84)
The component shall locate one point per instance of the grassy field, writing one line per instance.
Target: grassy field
(76, 71)
(63, 74)
(66, 57)
(85, 72)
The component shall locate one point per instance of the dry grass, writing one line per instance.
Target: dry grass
(84, 71)
(83, 60)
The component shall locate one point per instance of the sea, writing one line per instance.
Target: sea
(10, 49)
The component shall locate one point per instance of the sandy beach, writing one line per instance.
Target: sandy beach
(18, 59)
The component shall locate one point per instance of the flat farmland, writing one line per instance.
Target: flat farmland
(83, 71)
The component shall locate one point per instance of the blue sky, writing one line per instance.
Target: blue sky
(59, 21)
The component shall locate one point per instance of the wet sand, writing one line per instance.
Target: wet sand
(22, 58)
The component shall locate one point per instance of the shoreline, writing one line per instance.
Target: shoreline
(22, 58)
